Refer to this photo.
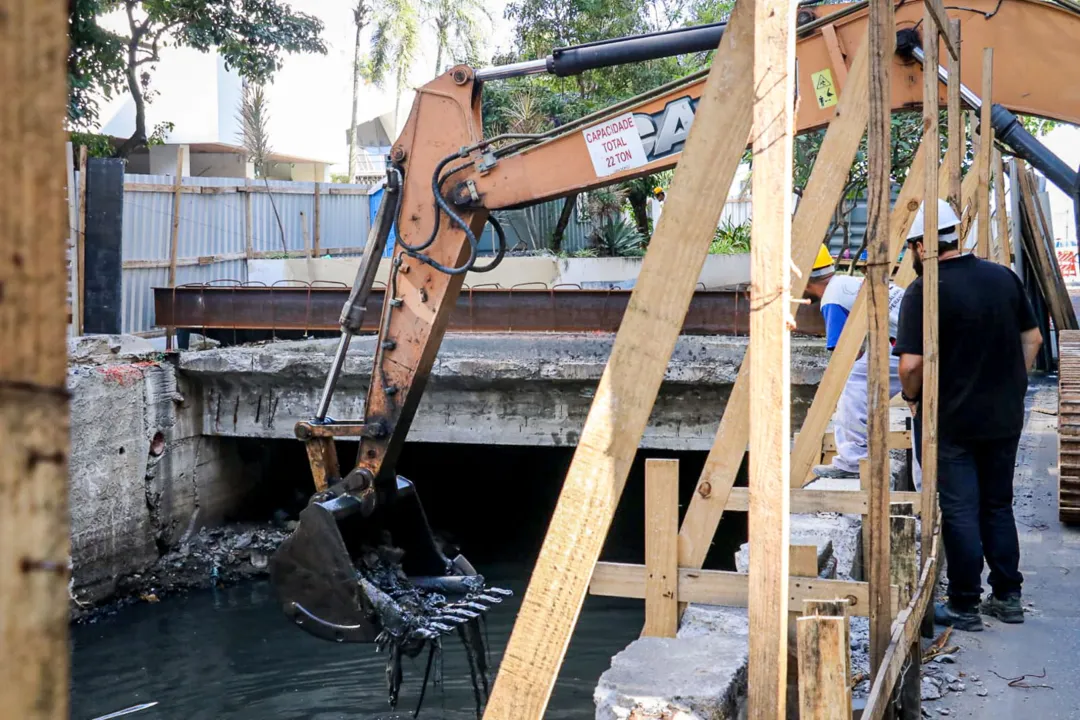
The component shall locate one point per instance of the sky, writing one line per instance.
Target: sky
(310, 99)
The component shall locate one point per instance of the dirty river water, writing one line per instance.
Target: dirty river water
(230, 653)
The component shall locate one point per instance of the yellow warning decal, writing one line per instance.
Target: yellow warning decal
(824, 89)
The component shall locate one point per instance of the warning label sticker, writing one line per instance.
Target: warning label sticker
(824, 89)
(615, 145)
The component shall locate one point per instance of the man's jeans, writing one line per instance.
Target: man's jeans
(975, 490)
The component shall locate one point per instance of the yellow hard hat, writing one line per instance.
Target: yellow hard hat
(657, 190)
(823, 263)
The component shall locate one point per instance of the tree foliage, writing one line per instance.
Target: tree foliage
(254, 116)
(251, 35)
(458, 29)
(395, 44)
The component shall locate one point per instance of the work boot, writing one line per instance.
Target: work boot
(1008, 609)
(966, 620)
(831, 471)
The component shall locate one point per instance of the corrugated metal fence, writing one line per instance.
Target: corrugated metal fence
(225, 221)
(222, 223)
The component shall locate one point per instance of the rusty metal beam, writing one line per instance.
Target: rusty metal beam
(245, 307)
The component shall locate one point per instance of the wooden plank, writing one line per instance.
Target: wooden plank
(627, 390)
(803, 562)
(167, 188)
(982, 195)
(935, 11)
(34, 424)
(182, 262)
(905, 577)
(661, 548)
(720, 587)
(306, 234)
(904, 631)
(806, 500)
(879, 259)
(771, 320)
(1066, 317)
(826, 183)
(836, 57)
(249, 240)
(174, 238)
(824, 668)
(957, 141)
(1004, 247)
(929, 409)
(81, 249)
(316, 220)
(1039, 254)
(898, 439)
(348, 191)
(72, 250)
(275, 189)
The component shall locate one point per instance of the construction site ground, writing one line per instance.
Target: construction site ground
(998, 670)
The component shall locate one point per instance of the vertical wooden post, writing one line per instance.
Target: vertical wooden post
(1004, 247)
(661, 548)
(174, 238)
(804, 563)
(627, 390)
(249, 241)
(306, 236)
(81, 260)
(878, 264)
(824, 666)
(957, 144)
(71, 252)
(986, 134)
(317, 234)
(34, 547)
(905, 575)
(174, 244)
(770, 366)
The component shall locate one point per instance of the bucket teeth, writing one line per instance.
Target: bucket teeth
(441, 627)
(461, 612)
(499, 591)
(474, 606)
(493, 600)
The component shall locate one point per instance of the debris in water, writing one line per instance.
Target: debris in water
(127, 711)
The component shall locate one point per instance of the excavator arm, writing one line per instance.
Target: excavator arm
(445, 179)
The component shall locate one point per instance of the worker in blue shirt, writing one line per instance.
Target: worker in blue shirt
(837, 294)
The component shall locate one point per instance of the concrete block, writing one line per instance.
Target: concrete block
(685, 678)
(836, 536)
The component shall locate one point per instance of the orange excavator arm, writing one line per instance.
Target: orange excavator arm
(445, 179)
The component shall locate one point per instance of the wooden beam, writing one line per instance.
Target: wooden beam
(803, 562)
(808, 441)
(317, 220)
(661, 548)
(771, 320)
(957, 141)
(174, 237)
(836, 56)
(879, 259)
(1004, 247)
(905, 577)
(826, 183)
(929, 409)
(628, 387)
(34, 400)
(81, 248)
(719, 587)
(824, 668)
(72, 250)
(249, 240)
(898, 439)
(806, 500)
(1042, 258)
(171, 188)
(935, 11)
(982, 196)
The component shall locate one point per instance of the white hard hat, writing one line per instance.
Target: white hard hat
(946, 219)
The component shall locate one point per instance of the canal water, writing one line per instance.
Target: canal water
(230, 653)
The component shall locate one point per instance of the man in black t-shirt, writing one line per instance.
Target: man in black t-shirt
(988, 339)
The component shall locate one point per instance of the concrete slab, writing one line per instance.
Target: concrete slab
(513, 389)
(702, 677)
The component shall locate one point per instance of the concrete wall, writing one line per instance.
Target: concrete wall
(512, 389)
(143, 474)
(719, 271)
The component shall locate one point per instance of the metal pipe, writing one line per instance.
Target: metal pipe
(332, 376)
(970, 99)
(518, 69)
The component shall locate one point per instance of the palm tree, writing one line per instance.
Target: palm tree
(361, 17)
(394, 45)
(254, 132)
(457, 28)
